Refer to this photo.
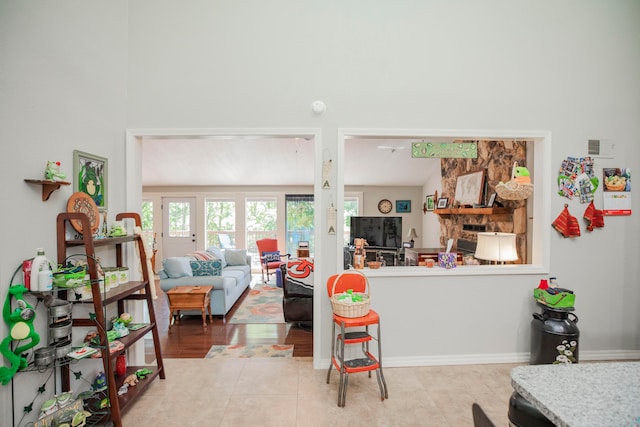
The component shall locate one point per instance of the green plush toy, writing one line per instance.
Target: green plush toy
(20, 322)
(521, 175)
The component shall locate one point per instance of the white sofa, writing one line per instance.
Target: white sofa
(234, 275)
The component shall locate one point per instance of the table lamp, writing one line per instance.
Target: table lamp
(412, 235)
(494, 246)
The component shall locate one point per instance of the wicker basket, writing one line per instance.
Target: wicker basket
(348, 308)
(513, 190)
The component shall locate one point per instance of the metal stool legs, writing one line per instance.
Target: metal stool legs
(366, 364)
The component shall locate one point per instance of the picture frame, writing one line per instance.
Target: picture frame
(443, 202)
(469, 188)
(90, 177)
(403, 206)
(492, 200)
(407, 245)
(430, 203)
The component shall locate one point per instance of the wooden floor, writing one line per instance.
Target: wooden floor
(187, 339)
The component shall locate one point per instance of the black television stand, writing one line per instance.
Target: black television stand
(390, 255)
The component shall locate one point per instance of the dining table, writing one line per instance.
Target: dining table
(592, 394)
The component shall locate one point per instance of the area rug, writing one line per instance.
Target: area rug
(250, 350)
(263, 304)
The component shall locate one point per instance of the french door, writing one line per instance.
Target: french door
(178, 226)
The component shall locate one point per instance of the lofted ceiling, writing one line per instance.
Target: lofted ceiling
(258, 161)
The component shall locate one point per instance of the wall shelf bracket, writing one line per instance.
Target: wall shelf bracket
(48, 186)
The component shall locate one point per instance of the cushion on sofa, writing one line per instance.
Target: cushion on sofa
(212, 267)
(176, 267)
(235, 256)
(271, 256)
(217, 253)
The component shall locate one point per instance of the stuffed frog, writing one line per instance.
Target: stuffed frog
(521, 175)
(20, 322)
(53, 173)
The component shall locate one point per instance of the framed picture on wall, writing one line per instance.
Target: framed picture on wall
(443, 202)
(90, 177)
(469, 188)
(403, 206)
(430, 203)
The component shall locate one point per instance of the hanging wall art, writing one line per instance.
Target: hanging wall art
(576, 178)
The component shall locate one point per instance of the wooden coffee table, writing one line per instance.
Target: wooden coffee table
(190, 298)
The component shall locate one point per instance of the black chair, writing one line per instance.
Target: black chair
(297, 300)
(480, 419)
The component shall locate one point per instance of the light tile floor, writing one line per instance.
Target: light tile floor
(289, 392)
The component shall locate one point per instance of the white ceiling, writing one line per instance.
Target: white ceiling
(226, 161)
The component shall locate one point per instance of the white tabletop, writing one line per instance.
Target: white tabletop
(584, 394)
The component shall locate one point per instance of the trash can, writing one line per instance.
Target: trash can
(554, 336)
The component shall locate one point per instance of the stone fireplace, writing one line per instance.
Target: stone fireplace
(497, 159)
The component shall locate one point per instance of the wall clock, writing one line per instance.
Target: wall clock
(385, 206)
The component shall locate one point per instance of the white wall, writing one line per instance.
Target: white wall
(64, 87)
(569, 68)
(372, 195)
(75, 75)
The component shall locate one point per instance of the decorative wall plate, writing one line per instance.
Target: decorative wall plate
(82, 202)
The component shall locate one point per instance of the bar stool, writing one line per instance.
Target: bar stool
(357, 282)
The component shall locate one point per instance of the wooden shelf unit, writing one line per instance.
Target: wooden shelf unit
(118, 295)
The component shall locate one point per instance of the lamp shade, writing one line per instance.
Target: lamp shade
(412, 234)
(496, 247)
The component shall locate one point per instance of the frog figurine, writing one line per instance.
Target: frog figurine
(53, 173)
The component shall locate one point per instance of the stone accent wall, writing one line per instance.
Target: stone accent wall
(497, 158)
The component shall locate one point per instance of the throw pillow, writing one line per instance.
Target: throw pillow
(201, 255)
(176, 267)
(271, 256)
(236, 256)
(300, 272)
(217, 253)
(211, 267)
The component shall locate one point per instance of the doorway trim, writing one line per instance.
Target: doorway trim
(133, 179)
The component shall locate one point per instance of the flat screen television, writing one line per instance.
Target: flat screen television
(380, 231)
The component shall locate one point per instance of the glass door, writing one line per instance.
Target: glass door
(299, 223)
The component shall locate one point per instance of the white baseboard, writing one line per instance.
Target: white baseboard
(484, 359)
(610, 355)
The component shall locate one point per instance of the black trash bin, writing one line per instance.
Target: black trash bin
(554, 336)
(554, 339)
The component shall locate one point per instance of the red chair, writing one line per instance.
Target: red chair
(270, 257)
(356, 281)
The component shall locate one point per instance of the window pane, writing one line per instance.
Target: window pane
(221, 223)
(350, 209)
(179, 214)
(299, 210)
(146, 215)
(261, 215)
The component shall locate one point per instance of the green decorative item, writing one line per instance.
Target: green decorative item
(53, 173)
(445, 150)
(20, 322)
(555, 297)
